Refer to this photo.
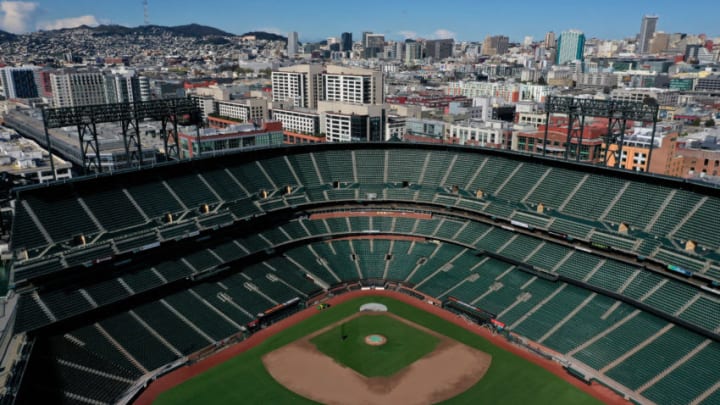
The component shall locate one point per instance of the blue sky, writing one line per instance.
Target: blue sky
(397, 19)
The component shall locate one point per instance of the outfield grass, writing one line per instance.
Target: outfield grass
(243, 379)
(404, 345)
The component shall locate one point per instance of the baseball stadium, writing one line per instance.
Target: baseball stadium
(365, 273)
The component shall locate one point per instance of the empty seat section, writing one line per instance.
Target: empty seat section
(279, 171)
(305, 170)
(246, 298)
(223, 184)
(295, 230)
(599, 314)
(96, 343)
(192, 191)
(520, 248)
(652, 359)
(341, 261)
(613, 345)
(309, 262)
(107, 291)
(549, 256)
(522, 182)
(594, 196)
(437, 166)
(638, 204)
(671, 296)
(53, 215)
(370, 166)
(676, 209)
(493, 174)
(113, 209)
(544, 318)
(173, 270)
(705, 312)
(612, 275)
(142, 280)
(495, 239)
(25, 234)
(335, 166)
(578, 265)
(287, 271)
(138, 341)
(65, 303)
(505, 291)
(205, 318)
(29, 315)
(695, 228)
(686, 382)
(154, 199)
(533, 292)
(202, 259)
(404, 165)
(642, 284)
(464, 169)
(555, 188)
(172, 328)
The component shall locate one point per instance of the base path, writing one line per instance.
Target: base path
(183, 374)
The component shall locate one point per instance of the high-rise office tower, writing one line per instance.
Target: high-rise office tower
(570, 47)
(439, 49)
(495, 45)
(292, 44)
(20, 82)
(659, 42)
(413, 51)
(346, 42)
(647, 29)
(374, 45)
(550, 40)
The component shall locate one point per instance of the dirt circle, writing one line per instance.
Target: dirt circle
(375, 340)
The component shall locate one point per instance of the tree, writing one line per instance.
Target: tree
(710, 123)
(541, 81)
(695, 122)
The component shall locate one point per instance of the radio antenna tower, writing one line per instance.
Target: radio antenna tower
(145, 12)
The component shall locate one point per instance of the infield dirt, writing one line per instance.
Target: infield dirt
(444, 373)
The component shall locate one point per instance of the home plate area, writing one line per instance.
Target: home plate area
(376, 357)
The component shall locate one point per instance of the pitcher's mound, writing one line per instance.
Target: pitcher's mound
(375, 340)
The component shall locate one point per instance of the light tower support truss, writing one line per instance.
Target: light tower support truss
(129, 115)
(618, 113)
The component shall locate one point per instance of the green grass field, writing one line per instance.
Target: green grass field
(243, 379)
(405, 344)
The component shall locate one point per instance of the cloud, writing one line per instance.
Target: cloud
(272, 30)
(70, 22)
(408, 34)
(443, 34)
(18, 16)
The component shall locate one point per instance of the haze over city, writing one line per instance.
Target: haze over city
(463, 20)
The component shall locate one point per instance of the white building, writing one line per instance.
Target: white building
(248, 109)
(342, 122)
(663, 96)
(298, 121)
(301, 85)
(488, 134)
(353, 85)
(77, 89)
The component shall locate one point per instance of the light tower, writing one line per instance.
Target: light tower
(146, 16)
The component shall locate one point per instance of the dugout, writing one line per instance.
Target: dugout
(476, 314)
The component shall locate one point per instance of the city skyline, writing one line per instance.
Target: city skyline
(462, 21)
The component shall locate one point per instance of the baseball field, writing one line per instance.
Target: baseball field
(405, 355)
